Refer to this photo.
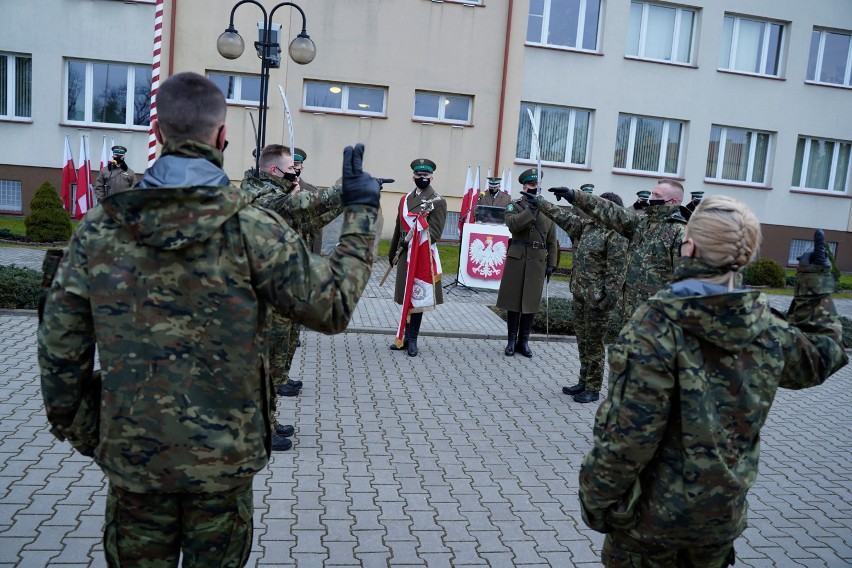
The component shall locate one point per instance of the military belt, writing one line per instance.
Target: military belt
(530, 244)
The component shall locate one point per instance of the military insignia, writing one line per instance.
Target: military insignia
(510, 207)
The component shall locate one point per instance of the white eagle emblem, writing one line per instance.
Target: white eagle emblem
(487, 256)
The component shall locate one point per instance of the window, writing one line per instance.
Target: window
(831, 58)
(16, 86)
(10, 195)
(564, 23)
(238, 89)
(563, 134)
(662, 33)
(108, 93)
(744, 155)
(651, 145)
(798, 247)
(751, 46)
(348, 99)
(821, 164)
(442, 108)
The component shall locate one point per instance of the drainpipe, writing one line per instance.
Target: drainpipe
(503, 85)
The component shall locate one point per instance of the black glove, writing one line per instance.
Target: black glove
(548, 272)
(359, 187)
(122, 165)
(563, 193)
(532, 198)
(817, 256)
(383, 181)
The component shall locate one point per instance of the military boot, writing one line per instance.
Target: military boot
(586, 396)
(524, 335)
(404, 347)
(576, 389)
(413, 324)
(512, 321)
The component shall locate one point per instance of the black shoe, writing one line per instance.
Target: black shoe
(509, 351)
(297, 384)
(524, 348)
(404, 347)
(280, 443)
(587, 396)
(412, 348)
(576, 389)
(285, 430)
(288, 390)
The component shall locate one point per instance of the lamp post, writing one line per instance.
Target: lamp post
(231, 45)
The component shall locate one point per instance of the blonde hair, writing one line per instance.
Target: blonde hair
(726, 233)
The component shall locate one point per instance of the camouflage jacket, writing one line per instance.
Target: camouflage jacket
(692, 377)
(654, 245)
(306, 211)
(174, 285)
(599, 255)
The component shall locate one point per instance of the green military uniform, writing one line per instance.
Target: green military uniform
(692, 377)
(114, 177)
(597, 280)
(174, 285)
(496, 199)
(306, 212)
(655, 238)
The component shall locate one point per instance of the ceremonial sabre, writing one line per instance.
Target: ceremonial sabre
(289, 118)
(538, 171)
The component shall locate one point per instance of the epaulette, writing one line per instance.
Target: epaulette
(678, 217)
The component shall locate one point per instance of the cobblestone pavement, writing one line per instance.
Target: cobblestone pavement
(469, 461)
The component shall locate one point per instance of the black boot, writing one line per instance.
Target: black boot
(414, 327)
(524, 335)
(512, 321)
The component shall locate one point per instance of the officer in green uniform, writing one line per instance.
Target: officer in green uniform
(172, 286)
(493, 197)
(531, 258)
(115, 176)
(597, 278)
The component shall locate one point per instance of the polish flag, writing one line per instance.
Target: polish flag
(468, 200)
(506, 182)
(68, 175)
(477, 189)
(84, 180)
(102, 165)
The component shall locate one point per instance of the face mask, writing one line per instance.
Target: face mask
(422, 183)
(493, 190)
(655, 202)
(291, 177)
(298, 171)
(534, 190)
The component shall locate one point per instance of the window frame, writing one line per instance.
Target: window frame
(11, 84)
(643, 33)
(4, 189)
(631, 147)
(569, 141)
(764, 50)
(238, 87)
(89, 100)
(441, 108)
(344, 100)
(847, 78)
(800, 246)
(720, 162)
(832, 177)
(581, 28)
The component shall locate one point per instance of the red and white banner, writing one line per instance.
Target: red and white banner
(68, 176)
(83, 197)
(424, 268)
(506, 182)
(104, 161)
(468, 199)
(483, 255)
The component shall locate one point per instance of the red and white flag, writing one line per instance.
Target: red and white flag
(102, 165)
(506, 182)
(68, 175)
(466, 199)
(84, 180)
(423, 267)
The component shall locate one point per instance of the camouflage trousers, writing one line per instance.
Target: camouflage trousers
(590, 325)
(621, 551)
(283, 338)
(151, 530)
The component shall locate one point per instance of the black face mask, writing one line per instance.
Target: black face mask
(298, 171)
(655, 202)
(422, 183)
(534, 191)
(289, 176)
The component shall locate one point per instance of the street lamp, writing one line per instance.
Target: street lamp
(231, 45)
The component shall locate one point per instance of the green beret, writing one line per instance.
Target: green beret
(528, 176)
(587, 187)
(119, 150)
(423, 165)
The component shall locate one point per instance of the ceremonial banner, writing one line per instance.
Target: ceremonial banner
(69, 175)
(483, 257)
(84, 181)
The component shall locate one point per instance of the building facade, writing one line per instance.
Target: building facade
(750, 99)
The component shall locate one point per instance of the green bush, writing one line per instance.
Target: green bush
(764, 272)
(47, 222)
(19, 288)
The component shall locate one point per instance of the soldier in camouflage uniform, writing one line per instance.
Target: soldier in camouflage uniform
(277, 188)
(692, 377)
(173, 284)
(596, 282)
(654, 237)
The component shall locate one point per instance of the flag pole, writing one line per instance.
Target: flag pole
(155, 80)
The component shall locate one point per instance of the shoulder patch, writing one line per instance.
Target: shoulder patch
(510, 207)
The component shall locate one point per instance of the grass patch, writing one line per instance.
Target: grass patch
(14, 224)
